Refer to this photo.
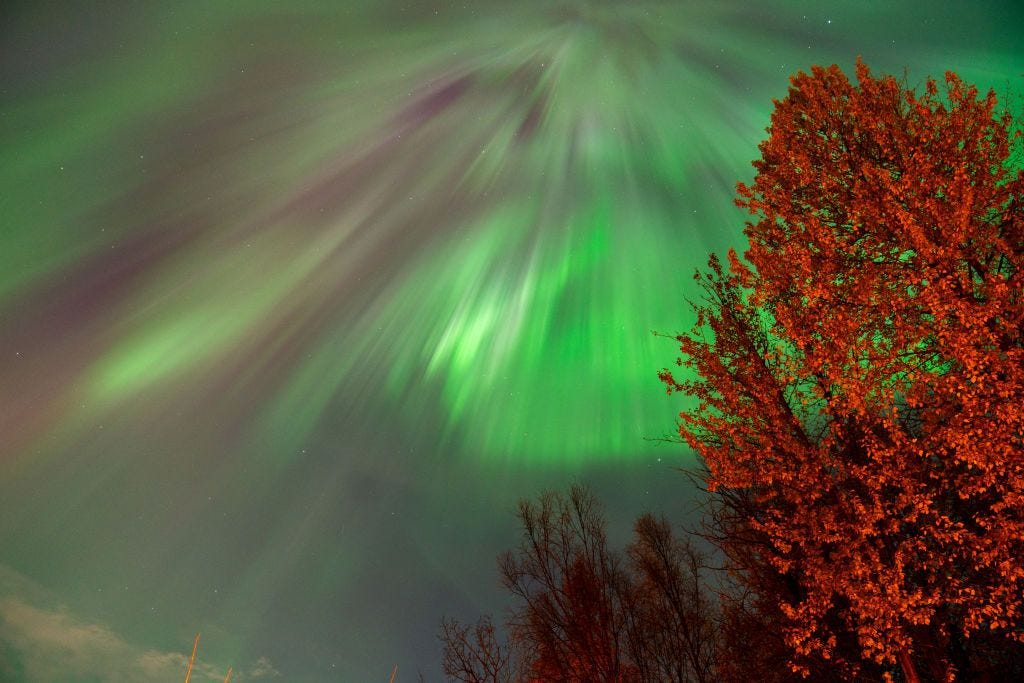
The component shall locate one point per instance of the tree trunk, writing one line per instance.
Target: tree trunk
(907, 664)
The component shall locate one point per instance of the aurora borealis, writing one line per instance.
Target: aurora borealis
(297, 299)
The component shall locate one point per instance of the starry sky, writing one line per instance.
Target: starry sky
(298, 299)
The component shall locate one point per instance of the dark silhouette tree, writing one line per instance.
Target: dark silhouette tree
(674, 632)
(860, 381)
(571, 589)
(476, 655)
(585, 613)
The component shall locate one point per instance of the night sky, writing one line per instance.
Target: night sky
(298, 299)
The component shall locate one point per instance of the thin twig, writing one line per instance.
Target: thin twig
(192, 659)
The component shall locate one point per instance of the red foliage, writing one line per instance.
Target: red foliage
(861, 374)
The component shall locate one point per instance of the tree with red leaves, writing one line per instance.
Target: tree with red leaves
(860, 380)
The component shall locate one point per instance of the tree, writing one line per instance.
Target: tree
(585, 613)
(475, 655)
(673, 628)
(860, 380)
